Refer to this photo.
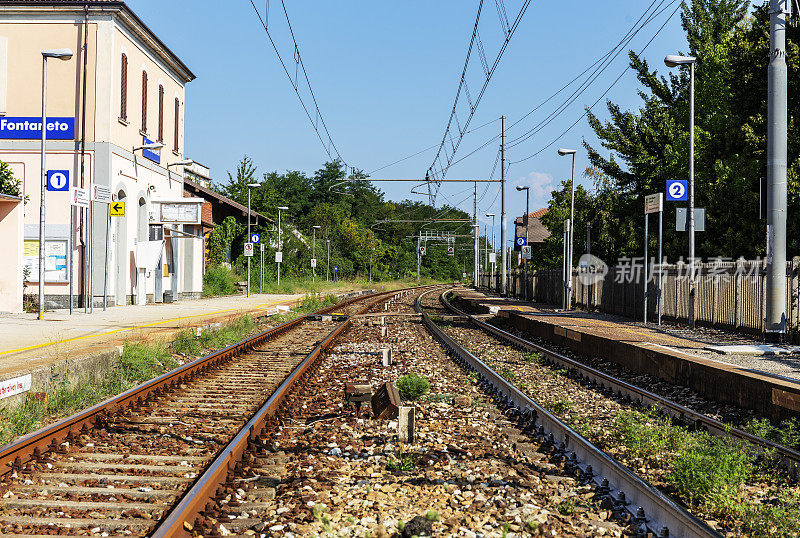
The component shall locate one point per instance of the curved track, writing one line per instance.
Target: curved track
(652, 511)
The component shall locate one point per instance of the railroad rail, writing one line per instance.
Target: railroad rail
(651, 510)
(789, 458)
(126, 434)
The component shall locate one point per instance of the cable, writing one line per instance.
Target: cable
(298, 60)
(443, 168)
(568, 129)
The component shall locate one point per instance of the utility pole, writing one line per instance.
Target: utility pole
(475, 228)
(504, 255)
(775, 323)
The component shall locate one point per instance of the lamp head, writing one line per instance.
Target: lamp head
(565, 151)
(254, 185)
(521, 188)
(151, 146)
(674, 60)
(61, 54)
(187, 162)
(490, 214)
(283, 207)
(317, 227)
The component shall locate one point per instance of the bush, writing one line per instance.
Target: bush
(219, 280)
(412, 386)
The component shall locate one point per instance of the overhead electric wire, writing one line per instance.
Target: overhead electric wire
(296, 88)
(592, 78)
(557, 138)
(472, 105)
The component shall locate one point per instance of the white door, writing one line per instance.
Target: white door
(141, 286)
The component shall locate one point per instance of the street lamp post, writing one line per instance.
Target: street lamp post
(570, 251)
(328, 267)
(672, 60)
(249, 237)
(61, 54)
(314, 254)
(280, 241)
(525, 261)
(494, 248)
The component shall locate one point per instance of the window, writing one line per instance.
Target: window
(160, 113)
(144, 101)
(123, 88)
(177, 122)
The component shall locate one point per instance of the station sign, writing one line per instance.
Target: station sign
(248, 249)
(58, 180)
(653, 203)
(117, 209)
(30, 128)
(677, 190)
(101, 193)
(519, 242)
(79, 197)
(153, 155)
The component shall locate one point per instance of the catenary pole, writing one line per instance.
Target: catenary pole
(776, 173)
(503, 226)
(475, 228)
(691, 198)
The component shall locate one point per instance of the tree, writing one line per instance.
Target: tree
(8, 183)
(648, 146)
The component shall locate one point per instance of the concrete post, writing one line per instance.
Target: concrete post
(503, 227)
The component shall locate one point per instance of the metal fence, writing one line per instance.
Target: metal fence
(729, 295)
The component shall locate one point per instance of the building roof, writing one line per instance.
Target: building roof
(205, 192)
(537, 232)
(9, 198)
(127, 16)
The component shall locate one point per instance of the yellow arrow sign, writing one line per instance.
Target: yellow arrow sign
(117, 209)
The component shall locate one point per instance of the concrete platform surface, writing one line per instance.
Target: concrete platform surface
(27, 343)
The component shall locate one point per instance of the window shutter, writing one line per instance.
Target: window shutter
(160, 113)
(144, 101)
(123, 90)
(177, 122)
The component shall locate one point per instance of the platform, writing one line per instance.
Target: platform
(768, 383)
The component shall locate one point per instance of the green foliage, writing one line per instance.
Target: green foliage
(640, 149)
(508, 374)
(402, 461)
(559, 407)
(8, 183)
(221, 240)
(412, 386)
(432, 515)
(786, 433)
(219, 280)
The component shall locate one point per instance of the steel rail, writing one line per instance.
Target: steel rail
(789, 458)
(184, 516)
(33, 445)
(649, 509)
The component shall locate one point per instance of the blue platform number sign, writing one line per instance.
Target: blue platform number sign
(335, 268)
(58, 180)
(255, 238)
(519, 241)
(677, 191)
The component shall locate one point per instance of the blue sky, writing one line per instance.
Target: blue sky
(385, 76)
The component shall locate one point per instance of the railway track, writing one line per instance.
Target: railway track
(651, 511)
(788, 458)
(122, 466)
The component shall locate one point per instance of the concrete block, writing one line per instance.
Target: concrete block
(405, 424)
(384, 331)
(386, 356)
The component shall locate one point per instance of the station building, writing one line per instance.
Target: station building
(122, 89)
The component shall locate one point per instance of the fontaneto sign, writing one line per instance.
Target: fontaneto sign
(26, 128)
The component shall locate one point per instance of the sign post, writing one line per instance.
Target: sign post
(261, 286)
(248, 250)
(653, 203)
(102, 194)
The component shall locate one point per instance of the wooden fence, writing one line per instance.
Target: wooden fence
(729, 295)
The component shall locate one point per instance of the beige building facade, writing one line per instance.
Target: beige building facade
(121, 90)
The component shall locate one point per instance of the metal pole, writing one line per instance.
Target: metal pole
(525, 261)
(280, 246)
(261, 275)
(775, 323)
(571, 234)
(564, 267)
(43, 188)
(485, 249)
(71, 246)
(504, 255)
(328, 269)
(494, 251)
(691, 196)
(314, 256)
(476, 247)
(660, 260)
(248, 240)
(105, 264)
(419, 256)
(644, 266)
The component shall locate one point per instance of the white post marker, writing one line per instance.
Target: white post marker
(653, 203)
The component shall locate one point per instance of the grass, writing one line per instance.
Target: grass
(533, 358)
(559, 407)
(401, 461)
(709, 473)
(508, 374)
(412, 386)
(139, 362)
(786, 433)
(219, 280)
